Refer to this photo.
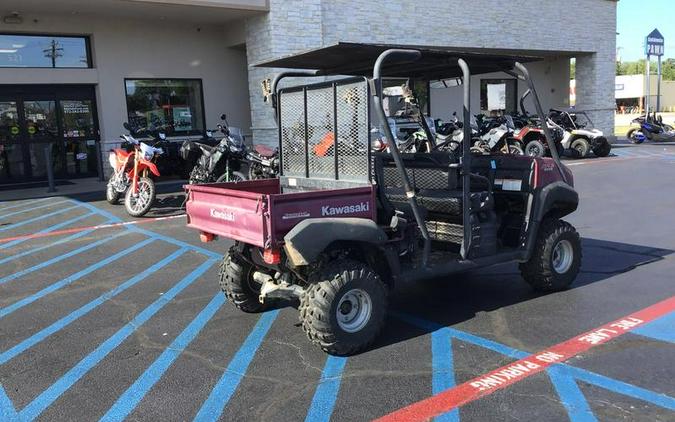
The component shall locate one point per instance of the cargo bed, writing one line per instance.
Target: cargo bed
(261, 212)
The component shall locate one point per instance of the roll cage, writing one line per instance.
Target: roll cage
(368, 65)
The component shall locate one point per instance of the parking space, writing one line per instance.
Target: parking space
(127, 322)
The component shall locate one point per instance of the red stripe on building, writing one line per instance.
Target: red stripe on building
(509, 374)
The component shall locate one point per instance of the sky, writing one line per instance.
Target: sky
(636, 19)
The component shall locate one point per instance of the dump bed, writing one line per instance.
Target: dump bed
(258, 213)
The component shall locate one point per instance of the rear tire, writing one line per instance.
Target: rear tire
(236, 177)
(111, 195)
(146, 192)
(236, 281)
(535, 148)
(602, 147)
(344, 309)
(580, 146)
(515, 150)
(556, 259)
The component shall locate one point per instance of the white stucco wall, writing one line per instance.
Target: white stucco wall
(141, 49)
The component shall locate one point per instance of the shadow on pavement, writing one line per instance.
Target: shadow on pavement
(459, 297)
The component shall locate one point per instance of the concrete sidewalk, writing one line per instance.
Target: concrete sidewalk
(74, 187)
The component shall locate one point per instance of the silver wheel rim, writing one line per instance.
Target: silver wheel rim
(533, 151)
(353, 310)
(138, 202)
(563, 255)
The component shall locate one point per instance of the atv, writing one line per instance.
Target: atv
(338, 231)
(579, 138)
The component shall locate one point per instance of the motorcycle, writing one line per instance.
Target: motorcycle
(263, 163)
(131, 177)
(651, 127)
(224, 162)
(495, 135)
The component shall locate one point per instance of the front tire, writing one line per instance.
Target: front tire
(344, 308)
(111, 195)
(236, 177)
(138, 206)
(556, 259)
(632, 136)
(236, 281)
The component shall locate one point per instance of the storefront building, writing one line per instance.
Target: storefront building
(73, 71)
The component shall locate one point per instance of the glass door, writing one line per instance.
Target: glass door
(11, 151)
(40, 121)
(79, 135)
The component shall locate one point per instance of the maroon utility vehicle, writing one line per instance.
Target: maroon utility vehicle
(338, 230)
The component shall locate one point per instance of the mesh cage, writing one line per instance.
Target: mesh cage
(313, 117)
(292, 127)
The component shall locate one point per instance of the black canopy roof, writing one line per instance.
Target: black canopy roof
(358, 59)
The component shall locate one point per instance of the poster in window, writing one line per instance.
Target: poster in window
(496, 96)
(182, 118)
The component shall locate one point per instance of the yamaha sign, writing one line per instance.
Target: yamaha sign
(654, 44)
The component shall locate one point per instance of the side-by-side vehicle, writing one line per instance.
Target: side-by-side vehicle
(339, 230)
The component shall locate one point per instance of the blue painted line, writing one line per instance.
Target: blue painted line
(570, 395)
(84, 310)
(66, 281)
(326, 392)
(228, 383)
(48, 229)
(621, 387)
(51, 394)
(464, 336)
(7, 410)
(31, 209)
(443, 375)
(41, 248)
(128, 401)
(662, 329)
(59, 258)
(24, 203)
(167, 239)
(34, 219)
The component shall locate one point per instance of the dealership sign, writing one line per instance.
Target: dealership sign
(654, 44)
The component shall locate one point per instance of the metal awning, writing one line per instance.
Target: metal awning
(358, 59)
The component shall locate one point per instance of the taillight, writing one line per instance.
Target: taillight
(207, 237)
(272, 256)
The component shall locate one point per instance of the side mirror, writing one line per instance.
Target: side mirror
(223, 116)
(127, 126)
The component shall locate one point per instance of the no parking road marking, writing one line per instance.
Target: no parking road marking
(509, 374)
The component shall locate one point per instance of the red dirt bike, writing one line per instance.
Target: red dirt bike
(132, 175)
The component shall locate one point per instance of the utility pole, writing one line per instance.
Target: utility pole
(53, 52)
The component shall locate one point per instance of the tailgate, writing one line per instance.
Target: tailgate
(232, 212)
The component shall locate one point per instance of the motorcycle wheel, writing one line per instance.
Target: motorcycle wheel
(234, 177)
(631, 135)
(535, 148)
(138, 206)
(111, 195)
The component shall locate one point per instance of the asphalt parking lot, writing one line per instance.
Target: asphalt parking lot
(129, 323)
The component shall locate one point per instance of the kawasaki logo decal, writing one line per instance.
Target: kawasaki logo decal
(347, 209)
(222, 215)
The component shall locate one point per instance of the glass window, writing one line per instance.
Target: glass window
(9, 121)
(44, 51)
(78, 118)
(40, 120)
(173, 105)
(499, 95)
